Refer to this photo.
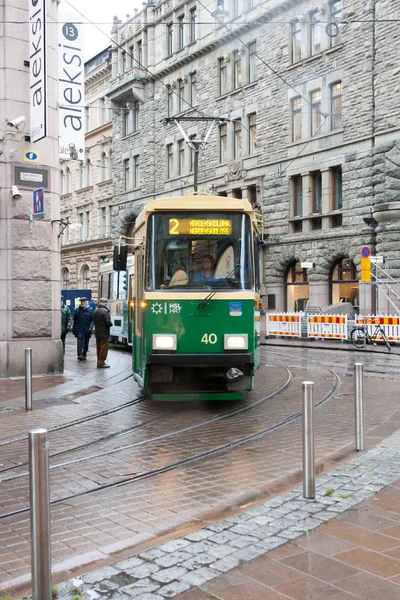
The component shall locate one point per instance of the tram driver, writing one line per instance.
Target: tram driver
(207, 269)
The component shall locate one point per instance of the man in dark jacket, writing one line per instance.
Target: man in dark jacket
(66, 322)
(102, 323)
(82, 327)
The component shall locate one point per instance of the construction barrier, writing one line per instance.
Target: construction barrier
(286, 324)
(327, 326)
(389, 324)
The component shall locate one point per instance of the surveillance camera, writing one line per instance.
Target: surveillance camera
(15, 193)
(17, 122)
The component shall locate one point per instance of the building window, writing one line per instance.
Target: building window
(181, 32)
(316, 112)
(335, 16)
(181, 157)
(81, 228)
(67, 181)
(85, 277)
(296, 119)
(170, 161)
(193, 88)
(252, 61)
(337, 188)
(87, 119)
(237, 70)
(344, 284)
(223, 76)
(316, 182)
(128, 121)
(135, 116)
(87, 173)
(170, 100)
(336, 105)
(79, 175)
(139, 53)
(62, 177)
(126, 172)
(132, 59)
(223, 142)
(136, 171)
(65, 278)
(297, 194)
(124, 64)
(297, 290)
(315, 33)
(103, 167)
(109, 165)
(237, 135)
(181, 95)
(296, 41)
(103, 221)
(252, 133)
(192, 21)
(87, 225)
(103, 112)
(235, 9)
(170, 39)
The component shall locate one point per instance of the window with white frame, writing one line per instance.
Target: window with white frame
(103, 221)
(103, 167)
(62, 177)
(170, 101)
(87, 119)
(193, 88)
(109, 165)
(126, 173)
(315, 33)
(181, 32)
(223, 76)
(170, 161)
(81, 231)
(79, 175)
(67, 180)
(135, 116)
(136, 171)
(223, 142)
(235, 8)
(192, 22)
(170, 39)
(316, 114)
(316, 189)
(297, 195)
(87, 225)
(181, 157)
(87, 180)
(296, 119)
(334, 27)
(237, 138)
(139, 53)
(336, 105)
(296, 41)
(237, 70)
(252, 61)
(181, 95)
(252, 121)
(85, 277)
(337, 199)
(65, 276)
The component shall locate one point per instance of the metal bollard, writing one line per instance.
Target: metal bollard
(308, 440)
(40, 514)
(359, 405)
(28, 378)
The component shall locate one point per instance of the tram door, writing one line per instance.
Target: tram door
(138, 341)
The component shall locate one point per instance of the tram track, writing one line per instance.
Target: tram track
(196, 455)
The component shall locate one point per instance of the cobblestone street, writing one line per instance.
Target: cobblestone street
(128, 474)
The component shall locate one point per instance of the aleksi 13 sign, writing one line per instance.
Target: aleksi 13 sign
(71, 82)
(37, 77)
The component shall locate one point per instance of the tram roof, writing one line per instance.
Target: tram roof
(194, 202)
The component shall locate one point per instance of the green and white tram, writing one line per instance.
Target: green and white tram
(116, 288)
(196, 298)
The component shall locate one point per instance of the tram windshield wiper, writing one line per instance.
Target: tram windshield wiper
(214, 291)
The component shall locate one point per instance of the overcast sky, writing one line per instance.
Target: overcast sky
(101, 12)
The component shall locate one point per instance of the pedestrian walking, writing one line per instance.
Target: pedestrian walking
(102, 324)
(82, 327)
(66, 322)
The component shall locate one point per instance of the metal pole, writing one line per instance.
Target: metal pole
(28, 378)
(196, 170)
(359, 405)
(308, 440)
(365, 314)
(40, 514)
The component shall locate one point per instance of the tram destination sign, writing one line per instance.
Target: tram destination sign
(200, 226)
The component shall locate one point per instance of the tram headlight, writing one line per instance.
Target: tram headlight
(164, 341)
(236, 341)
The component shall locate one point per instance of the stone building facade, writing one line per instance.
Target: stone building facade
(29, 251)
(310, 89)
(86, 187)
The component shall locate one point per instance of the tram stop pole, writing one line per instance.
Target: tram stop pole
(40, 514)
(359, 405)
(308, 441)
(28, 378)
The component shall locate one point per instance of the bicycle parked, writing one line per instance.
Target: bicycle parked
(359, 336)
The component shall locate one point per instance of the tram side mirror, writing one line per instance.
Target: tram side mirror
(120, 258)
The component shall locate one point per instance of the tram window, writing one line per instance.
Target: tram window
(105, 285)
(199, 250)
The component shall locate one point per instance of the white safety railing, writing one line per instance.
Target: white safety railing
(389, 324)
(285, 324)
(327, 326)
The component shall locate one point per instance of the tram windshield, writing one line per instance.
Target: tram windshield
(199, 250)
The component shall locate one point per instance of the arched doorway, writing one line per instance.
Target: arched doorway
(343, 282)
(296, 288)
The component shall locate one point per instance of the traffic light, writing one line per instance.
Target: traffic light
(125, 281)
(120, 257)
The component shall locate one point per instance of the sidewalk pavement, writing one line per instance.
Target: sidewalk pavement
(344, 544)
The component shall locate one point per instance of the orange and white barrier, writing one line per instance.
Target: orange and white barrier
(285, 324)
(389, 324)
(327, 326)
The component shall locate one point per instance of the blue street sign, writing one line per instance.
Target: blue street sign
(365, 251)
(38, 203)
